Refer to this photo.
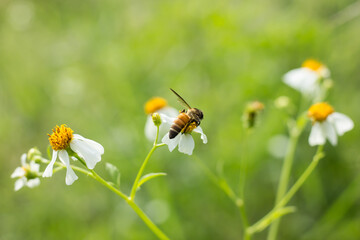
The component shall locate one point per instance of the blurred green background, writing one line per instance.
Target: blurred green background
(93, 65)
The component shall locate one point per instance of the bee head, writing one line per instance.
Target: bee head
(199, 113)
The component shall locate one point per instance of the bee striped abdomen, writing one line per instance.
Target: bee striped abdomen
(178, 125)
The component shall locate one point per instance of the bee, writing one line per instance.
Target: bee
(186, 121)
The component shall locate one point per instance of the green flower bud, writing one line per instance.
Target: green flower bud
(156, 119)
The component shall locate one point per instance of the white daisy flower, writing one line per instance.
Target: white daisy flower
(61, 140)
(27, 174)
(327, 124)
(306, 79)
(159, 105)
(184, 140)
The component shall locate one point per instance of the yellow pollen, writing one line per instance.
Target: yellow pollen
(320, 111)
(312, 64)
(155, 104)
(61, 137)
(190, 128)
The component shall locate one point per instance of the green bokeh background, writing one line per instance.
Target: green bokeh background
(93, 65)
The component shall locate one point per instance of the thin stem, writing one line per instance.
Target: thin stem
(286, 170)
(142, 168)
(287, 197)
(225, 187)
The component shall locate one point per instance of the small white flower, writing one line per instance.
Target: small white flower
(184, 140)
(327, 124)
(306, 79)
(27, 174)
(62, 139)
(160, 106)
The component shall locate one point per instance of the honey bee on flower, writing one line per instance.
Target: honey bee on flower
(181, 128)
(327, 124)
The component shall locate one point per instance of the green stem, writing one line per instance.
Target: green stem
(225, 187)
(142, 168)
(147, 220)
(287, 197)
(295, 133)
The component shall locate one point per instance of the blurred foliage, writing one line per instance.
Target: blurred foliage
(93, 65)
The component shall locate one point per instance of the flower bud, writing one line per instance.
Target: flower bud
(156, 119)
(34, 154)
(251, 112)
(282, 102)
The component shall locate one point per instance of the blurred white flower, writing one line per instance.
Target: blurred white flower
(184, 140)
(27, 174)
(327, 124)
(306, 79)
(61, 140)
(159, 105)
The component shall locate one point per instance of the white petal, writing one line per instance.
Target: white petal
(150, 129)
(19, 172)
(35, 167)
(23, 159)
(70, 174)
(341, 122)
(49, 169)
(19, 183)
(33, 182)
(302, 79)
(86, 151)
(167, 119)
(169, 111)
(92, 143)
(329, 130)
(317, 137)
(203, 136)
(172, 143)
(186, 144)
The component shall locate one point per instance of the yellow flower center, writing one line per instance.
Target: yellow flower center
(190, 128)
(320, 111)
(312, 64)
(61, 137)
(155, 104)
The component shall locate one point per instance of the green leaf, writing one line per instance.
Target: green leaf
(149, 176)
(114, 174)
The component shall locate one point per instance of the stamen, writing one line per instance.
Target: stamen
(61, 137)
(312, 64)
(155, 104)
(320, 111)
(190, 128)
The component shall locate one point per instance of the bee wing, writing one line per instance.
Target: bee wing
(181, 100)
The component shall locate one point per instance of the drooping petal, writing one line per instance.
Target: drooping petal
(33, 182)
(186, 144)
(86, 151)
(203, 136)
(302, 79)
(317, 137)
(49, 169)
(172, 143)
(23, 159)
(35, 167)
(70, 174)
(19, 183)
(341, 122)
(95, 145)
(329, 131)
(19, 172)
